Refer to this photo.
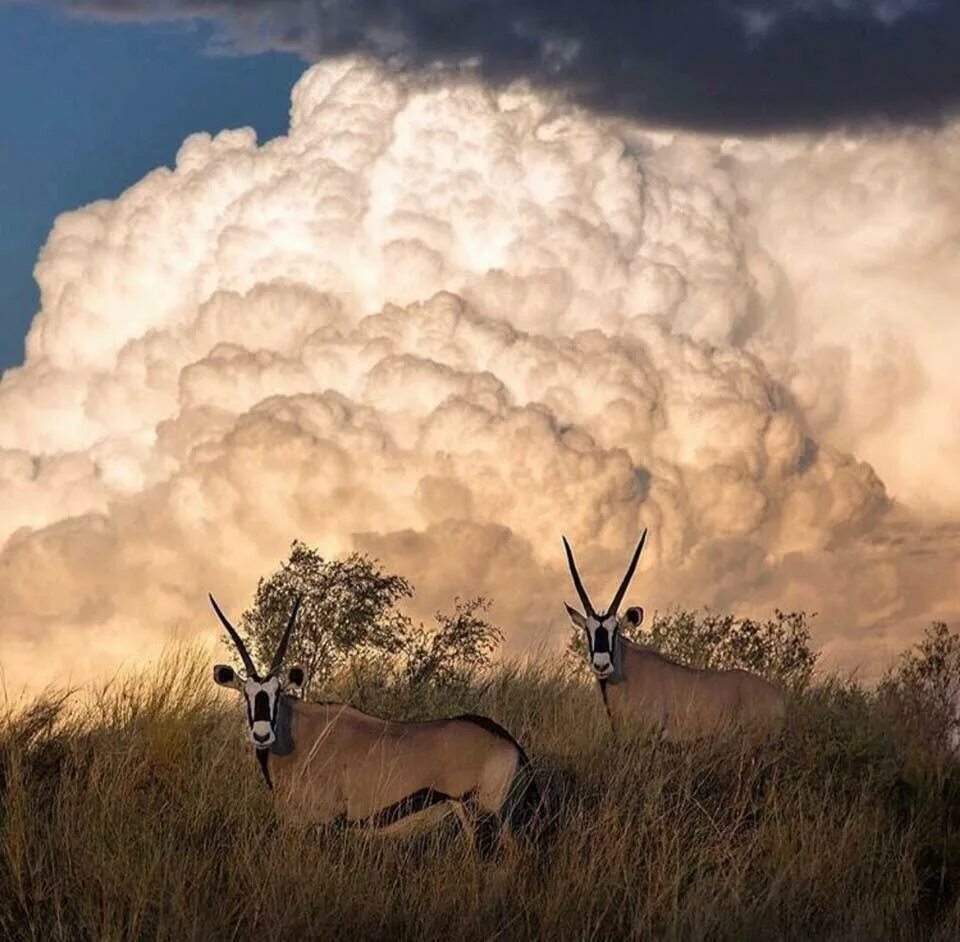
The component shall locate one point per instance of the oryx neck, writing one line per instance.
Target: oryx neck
(617, 676)
(263, 757)
(282, 744)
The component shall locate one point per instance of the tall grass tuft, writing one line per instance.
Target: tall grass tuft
(137, 812)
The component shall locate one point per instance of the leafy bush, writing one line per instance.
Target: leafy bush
(924, 689)
(452, 654)
(778, 648)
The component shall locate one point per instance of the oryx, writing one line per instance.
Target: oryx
(331, 763)
(639, 684)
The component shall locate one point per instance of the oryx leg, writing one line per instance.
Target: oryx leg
(469, 831)
(414, 821)
(490, 802)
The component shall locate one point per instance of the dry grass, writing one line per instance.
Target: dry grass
(139, 814)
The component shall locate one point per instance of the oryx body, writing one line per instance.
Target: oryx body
(348, 766)
(329, 762)
(686, 702)
(641, 686)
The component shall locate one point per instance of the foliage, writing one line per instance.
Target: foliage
(140, 814)
(778, 648)
(924, 689)
(349, 610)
(350, 615)
(456, 650)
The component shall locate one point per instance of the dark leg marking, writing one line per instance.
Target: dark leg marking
(412, 804)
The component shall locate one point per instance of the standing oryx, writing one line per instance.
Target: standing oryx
(640, 684)
(332, 763)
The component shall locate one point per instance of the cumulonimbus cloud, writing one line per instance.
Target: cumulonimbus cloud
(444, 325)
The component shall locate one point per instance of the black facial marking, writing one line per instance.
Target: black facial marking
(261, 707)
(601, 641)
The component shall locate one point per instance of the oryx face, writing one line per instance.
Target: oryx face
(601, 629)
(601, 636)
(262, 697)
(261, 694)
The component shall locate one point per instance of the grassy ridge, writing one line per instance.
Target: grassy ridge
(140, 814)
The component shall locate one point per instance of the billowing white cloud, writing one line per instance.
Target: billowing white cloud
(443, 325)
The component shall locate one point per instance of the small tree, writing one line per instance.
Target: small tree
(348, 610)
(924, 688)
(349, 613)
(452, 654)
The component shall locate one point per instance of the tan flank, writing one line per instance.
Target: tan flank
(330, 763)
(639, 685)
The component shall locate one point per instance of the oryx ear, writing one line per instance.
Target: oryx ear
(295, 676)
(576, 617)
(226, 676)
(633, 616)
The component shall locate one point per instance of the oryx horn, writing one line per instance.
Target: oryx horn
(244, 656)
(285, 640)
(618, 598)
(581, 591)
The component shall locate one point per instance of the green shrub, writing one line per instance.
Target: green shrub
(778, 648)
(923, 691)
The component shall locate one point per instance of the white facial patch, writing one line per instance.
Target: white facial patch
(601, 635)
(261, 700)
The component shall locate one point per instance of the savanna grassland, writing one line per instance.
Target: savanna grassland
(139, 813)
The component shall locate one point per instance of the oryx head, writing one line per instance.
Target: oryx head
(602, 629)
(262, 694)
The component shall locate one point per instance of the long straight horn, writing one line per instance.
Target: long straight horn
(244, 656)
(581, 591)
(618, 598)
(285, 640)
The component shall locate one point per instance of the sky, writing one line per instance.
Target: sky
(60, 114)
(441, 281)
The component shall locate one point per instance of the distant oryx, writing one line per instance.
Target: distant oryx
(638, 683)
(330, 763)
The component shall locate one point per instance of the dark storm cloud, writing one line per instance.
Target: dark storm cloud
(709, 64)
